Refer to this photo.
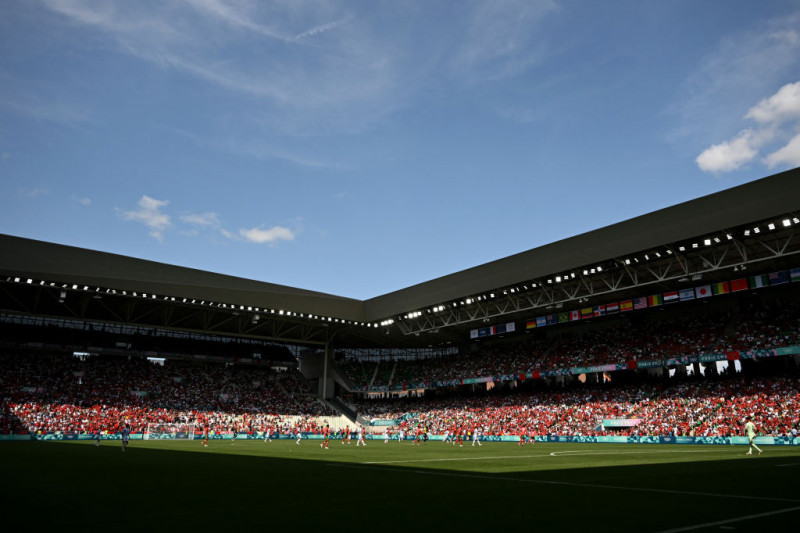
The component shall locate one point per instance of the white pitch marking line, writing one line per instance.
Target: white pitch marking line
(730, 520)
(568, 484)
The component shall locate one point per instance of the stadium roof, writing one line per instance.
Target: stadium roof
(295, 315)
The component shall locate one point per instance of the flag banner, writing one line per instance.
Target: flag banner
(739, 285)
(778, 278)
(632, 364)
(732, 356)
(541, 321)
(574, 315)
(587, 312)
(563, 317)
(612, 308)
(756, 282)
(655, 300)
(720, 288)
(794, 274)
(686, 294)
(627, 305)
(640, 303)
(497, 330)
(531, 324)
(552, 320)
(704, 291)
(600, 310)
(671, 297)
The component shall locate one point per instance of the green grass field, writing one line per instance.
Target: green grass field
(163, 485)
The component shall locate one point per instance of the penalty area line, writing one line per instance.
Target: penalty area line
(730, 520)
(366, 466)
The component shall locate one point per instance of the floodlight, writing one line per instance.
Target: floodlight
(787, 223)
(771, 226)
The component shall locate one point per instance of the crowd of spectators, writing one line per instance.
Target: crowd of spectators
(689, 408)
(60, 392)
(618, 340)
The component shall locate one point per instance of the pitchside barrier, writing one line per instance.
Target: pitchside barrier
(762, 441)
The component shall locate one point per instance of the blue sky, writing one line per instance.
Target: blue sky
(360, 147)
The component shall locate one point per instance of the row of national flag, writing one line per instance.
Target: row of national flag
(682, 295)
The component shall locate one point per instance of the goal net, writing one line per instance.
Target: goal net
(169, 431)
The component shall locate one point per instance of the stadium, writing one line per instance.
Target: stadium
(605, 379)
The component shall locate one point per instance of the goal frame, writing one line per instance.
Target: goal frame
(169, 431)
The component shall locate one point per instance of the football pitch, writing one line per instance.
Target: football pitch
(169, 485)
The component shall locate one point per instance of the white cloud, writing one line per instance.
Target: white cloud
(203, 219)
(780, 107)
(85, 201)
(316, 67)
(728, 156)
(771, 114)
(733, 154)
(149, 214)
(731, 78)
(496, 41)
(271, 235)
(788, 156)
(322, 28)
(33, 193)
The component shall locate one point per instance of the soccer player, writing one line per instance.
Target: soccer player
(346, 435)
(298, 434)
(205, 436)
(126, 433)
(361, 437)
(325, 435)
(97, 436)
(386, 436)
(476, 436)
(750, 431)
(446, 436)
(234, 436)
(401, 435)
(268, 434)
